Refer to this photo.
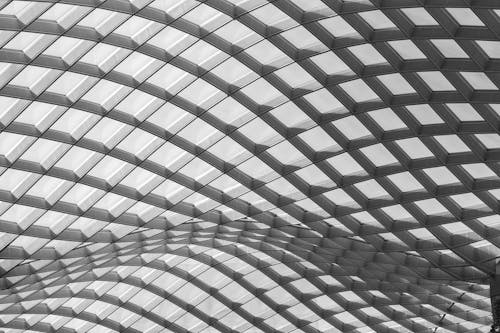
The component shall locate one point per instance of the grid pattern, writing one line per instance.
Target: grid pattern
(249, 165)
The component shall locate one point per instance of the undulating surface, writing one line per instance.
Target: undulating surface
(249, 166)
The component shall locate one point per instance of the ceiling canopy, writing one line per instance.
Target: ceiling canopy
(249, 166)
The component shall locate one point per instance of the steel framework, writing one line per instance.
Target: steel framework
(249, 165)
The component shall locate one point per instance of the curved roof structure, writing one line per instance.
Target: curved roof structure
(249, 165)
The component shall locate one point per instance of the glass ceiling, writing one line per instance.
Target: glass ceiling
(249, 165)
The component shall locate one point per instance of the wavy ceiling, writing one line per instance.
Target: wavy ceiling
(249, 166)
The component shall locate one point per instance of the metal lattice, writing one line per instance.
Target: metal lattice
(249, 166)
